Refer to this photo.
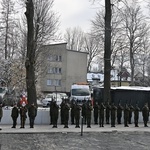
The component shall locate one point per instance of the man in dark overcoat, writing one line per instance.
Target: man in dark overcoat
(14, 115)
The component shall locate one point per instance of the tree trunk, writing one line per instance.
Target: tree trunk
(30, 57)
(107, 53)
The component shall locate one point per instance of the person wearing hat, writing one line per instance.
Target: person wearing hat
(14, 115)
(32, 112)
(1, 112)
(23, 116)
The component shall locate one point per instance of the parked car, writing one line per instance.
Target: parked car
(56, 96)
(63, 95)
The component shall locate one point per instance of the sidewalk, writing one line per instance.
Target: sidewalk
(94, 128)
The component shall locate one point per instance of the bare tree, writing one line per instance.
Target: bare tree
(93, 48)
(136, 29)
(42, 25)
(74, 38)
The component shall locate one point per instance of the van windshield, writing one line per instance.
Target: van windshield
(80, 92)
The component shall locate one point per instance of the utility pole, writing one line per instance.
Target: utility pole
(107, 51)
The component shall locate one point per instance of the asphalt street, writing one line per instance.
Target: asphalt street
(74, 141)
(95, 138)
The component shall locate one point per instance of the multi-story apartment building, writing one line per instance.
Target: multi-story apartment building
(60, 68)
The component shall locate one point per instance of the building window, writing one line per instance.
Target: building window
(55, 58)
(54, 82)
(54, 70)
(49, 82)
(50, 70)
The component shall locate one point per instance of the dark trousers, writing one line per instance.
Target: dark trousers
(14, 121)
(88, 121)
(23, 119)
(77, 121)
(95, 117)
(31, 119)
(72, 117)
(101, 121)
(119, 118)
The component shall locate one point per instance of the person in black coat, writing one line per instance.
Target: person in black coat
(14, 115)
(62, 108)
(32, 112)
(55, 109)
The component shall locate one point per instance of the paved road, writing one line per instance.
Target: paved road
(74, 141)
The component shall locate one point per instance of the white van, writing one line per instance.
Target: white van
(80, 92)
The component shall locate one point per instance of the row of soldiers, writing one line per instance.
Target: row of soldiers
(111, 112)
(22, 111)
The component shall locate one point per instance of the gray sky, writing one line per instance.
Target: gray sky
(75, 13)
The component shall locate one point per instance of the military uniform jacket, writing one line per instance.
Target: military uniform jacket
(113, 111)
(23, 111)
(101, 110)
(77, 111)
(145, 112)
(88, 110)
(136, 112)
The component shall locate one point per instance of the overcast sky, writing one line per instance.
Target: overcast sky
(75, 13)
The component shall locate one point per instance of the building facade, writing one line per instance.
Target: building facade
(60, 68)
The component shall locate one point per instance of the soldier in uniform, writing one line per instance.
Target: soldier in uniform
(14, 115)
(62, 106)
(130, 113)
(77, 114)
(96, 107)
(101, 115)
(108, 107)
(32, 112)
(1, 112)
(119, 113)
(113, 114)
(88, 113)
(126, 115)
(23, 116)
(66, 114)
(145, 114)
(72, 111)
(84, 107)
(55, 114)
(136, 115)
